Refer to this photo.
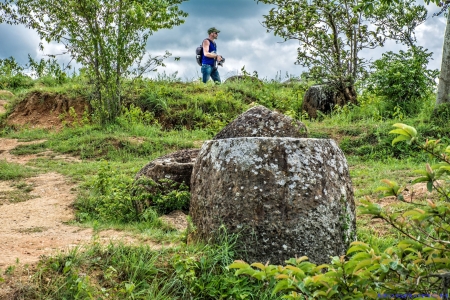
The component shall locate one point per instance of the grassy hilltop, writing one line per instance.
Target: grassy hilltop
(162, 116)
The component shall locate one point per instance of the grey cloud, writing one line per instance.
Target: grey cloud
(18, 42)
(242, 40)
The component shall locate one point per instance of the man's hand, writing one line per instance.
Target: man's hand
(219, 57)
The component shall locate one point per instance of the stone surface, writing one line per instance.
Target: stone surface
(260, 121)
(318, 98)
(323, 98)
(286, 197)
(175, 166)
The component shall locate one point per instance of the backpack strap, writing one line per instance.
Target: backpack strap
(209, 41)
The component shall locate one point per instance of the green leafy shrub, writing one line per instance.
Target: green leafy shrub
(163, 196)
(109, 199)
(403, 80)
(48, 71)
(12, 75)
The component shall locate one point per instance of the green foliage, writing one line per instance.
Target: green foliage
(204, 274)
(163, 196)
(109, 199)
(331, 51)
(441, 115)
(403, 80)
(12, 76)
(112, 272)
(134, 115)
(29, 149)
(138, 272)
(48, 71)
(107, 37)
(9, 171)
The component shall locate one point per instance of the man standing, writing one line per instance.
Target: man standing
(210, 57)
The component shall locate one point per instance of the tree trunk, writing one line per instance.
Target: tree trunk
(443, 93)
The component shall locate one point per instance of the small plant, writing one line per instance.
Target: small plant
(109, 199)
(71, 118)
(134, 115)
(164, 196)
(403, 80)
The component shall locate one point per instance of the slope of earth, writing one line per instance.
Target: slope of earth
(47, 110)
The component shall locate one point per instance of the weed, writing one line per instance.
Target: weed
(10, 171)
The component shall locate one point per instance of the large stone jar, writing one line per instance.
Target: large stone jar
(285, 197)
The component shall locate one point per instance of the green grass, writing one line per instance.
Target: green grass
(10, 171)
(173, 116)
(140, 272)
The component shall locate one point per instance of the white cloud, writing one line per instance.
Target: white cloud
(242, 41)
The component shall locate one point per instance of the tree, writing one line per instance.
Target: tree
(443, 93)
(332, 34)
(108, 37)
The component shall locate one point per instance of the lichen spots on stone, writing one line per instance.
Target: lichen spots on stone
(282, 195)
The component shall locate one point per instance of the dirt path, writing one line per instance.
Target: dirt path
(37, 227)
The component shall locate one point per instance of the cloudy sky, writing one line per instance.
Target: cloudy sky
(243, 41)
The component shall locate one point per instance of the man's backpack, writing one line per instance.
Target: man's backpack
(199, 55)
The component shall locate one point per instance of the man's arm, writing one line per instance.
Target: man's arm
(206, 51)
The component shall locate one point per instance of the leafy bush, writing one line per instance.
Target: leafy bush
(163, 196)
(403, 80)
(48, 71)
(109, 199)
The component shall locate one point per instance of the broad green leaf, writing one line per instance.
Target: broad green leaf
(258, 265)
(438, 260)
(239, 264)
(430, 186)
(281, 285)
(362, 264)
(295, 270)
(400, 138)
(400, 131)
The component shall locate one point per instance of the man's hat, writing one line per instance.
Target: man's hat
(213, 29)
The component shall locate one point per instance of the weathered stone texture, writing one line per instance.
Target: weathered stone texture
(175, 166)
(324, 97)
(260, 121)
(286, 197)
(318, 98)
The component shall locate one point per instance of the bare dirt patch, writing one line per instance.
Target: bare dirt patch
(6, 145)
(414, 193)
(176, 219)
(47, 110)
(39, 226)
